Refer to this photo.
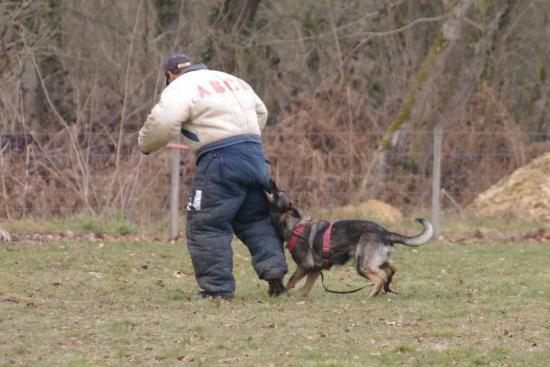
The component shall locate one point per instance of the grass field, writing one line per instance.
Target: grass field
(78, 303)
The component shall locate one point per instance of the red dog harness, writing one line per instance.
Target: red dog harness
(326, 247)
(294, 237)
(293, 240)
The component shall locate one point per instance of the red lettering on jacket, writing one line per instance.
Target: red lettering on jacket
(218, 88)
(202, 92)
(243, 84)
(229, 84)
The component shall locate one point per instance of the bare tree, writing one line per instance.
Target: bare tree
(353, 90)
(445, 81)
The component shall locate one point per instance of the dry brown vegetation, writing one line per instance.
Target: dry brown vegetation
(354, 89)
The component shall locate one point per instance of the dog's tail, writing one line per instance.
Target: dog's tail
(421, 238)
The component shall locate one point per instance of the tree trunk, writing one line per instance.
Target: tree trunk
(30, 90)
(239, 14)
(234, 19)
(442, 87)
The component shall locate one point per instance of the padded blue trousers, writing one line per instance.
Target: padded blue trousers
(227, 196)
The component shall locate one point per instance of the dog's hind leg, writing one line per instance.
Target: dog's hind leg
(369, 259)
(377, 277)
(390, 270)
(298, 275)
(310, 281)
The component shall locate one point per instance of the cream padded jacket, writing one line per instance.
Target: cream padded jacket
(205, 106)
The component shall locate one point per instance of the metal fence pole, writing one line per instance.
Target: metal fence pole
(174, 191)
(436, 178)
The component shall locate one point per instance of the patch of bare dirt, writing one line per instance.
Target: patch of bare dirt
(535, 236)
(45, 237)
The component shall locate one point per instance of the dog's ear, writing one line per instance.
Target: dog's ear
(273, 186)
(273, 193)
(270, 197)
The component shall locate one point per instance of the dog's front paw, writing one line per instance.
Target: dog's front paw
(276, 287)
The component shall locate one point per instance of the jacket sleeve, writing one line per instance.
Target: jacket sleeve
(261, 112)
(164, 122)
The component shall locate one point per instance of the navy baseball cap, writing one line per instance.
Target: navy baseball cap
(177, 62)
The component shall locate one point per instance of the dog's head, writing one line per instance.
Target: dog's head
(284, 214)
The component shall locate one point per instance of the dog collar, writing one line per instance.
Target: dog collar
(296, 232)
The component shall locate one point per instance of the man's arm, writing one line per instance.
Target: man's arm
(163, 123)
(261, 112)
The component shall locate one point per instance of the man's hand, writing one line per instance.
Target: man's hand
(177, 146)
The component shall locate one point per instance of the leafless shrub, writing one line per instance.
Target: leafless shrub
(79, 77)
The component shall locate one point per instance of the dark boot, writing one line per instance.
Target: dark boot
(276, 287)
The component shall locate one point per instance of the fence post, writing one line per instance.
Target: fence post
(174, 191)
(436, 178)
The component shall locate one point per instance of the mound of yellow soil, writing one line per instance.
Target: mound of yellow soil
(523, 194)
(370, 209)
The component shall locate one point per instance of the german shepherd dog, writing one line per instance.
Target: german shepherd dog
(318, 244)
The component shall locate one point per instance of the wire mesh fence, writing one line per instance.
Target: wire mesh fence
(63, 173)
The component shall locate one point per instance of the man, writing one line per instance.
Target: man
(220, 118)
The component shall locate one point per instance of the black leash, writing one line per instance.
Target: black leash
(341, 292)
